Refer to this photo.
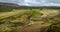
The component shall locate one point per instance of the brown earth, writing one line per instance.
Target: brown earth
(37, 27)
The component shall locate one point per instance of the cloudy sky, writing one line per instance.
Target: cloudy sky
(34, 2)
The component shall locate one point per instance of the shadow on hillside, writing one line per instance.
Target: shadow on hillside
(5, 9)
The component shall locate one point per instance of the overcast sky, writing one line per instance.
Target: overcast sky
(34, 2)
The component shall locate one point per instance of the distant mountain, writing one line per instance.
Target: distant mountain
(23, 6)
(8, 4)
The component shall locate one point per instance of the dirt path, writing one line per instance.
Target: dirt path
(37, 27)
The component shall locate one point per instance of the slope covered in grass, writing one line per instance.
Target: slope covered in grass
(17, 20)
(6, 18)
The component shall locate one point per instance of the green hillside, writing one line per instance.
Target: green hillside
(29, 20)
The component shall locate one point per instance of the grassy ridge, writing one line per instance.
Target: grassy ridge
(14, 14)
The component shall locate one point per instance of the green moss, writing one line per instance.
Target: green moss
(35, 13)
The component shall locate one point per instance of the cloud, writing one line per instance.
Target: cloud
(8, 1)
(34, 2)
